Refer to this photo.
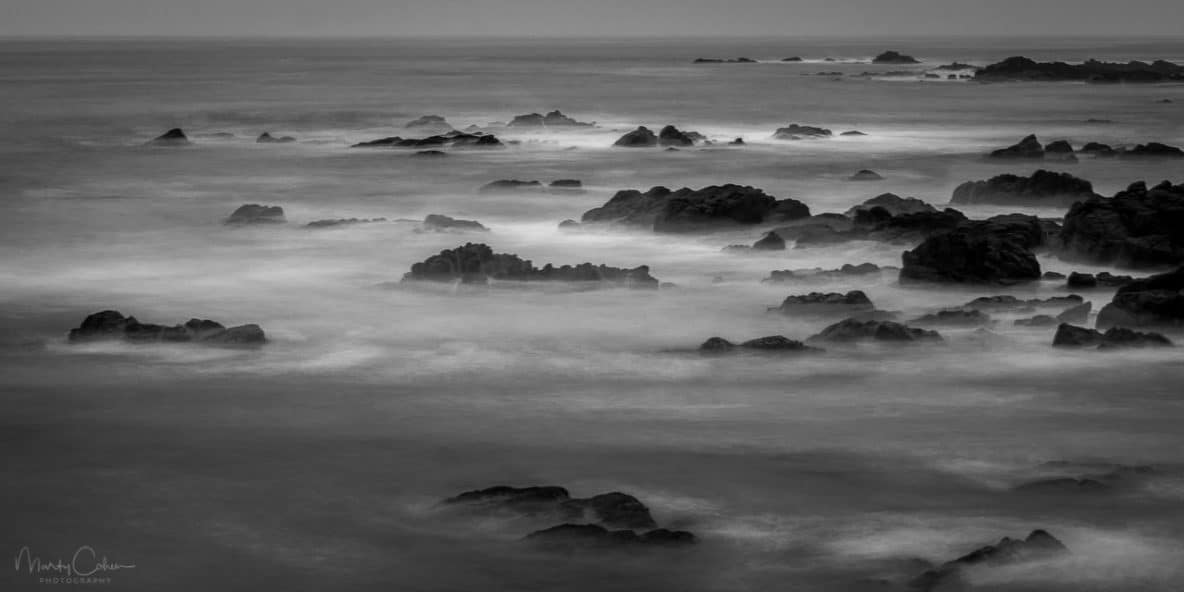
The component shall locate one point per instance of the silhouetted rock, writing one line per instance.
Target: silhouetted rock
(1081, 280)
(430, 154)
(1152, 150)
(893, 204)
(335, 222)
(173, 137)
(852, 330)
(894, 57)
(1043, 188)
(1059, 150)
(1053, 275)
(1098, 149)
(866, 175)
(1073, 336)
(1039, 545)
(770, 242)
(552, 119)
(566, 184)
(452, 139)
(1153, 301)
(477, 264)
(956, 317)
(1008, 302)
(1137, 228)
(1027, 148)
(792, 59)
(1114, 338)
(257, 214)
(434, 122)
(847, 270)
(440, 222)
(579, 537)
(1021, 68)
(111, 325)
(616, 509)
(641, 137)
(510, 186)
(724, 61)
(690, 210)
(853, 133)
(996, 250)
(797, 132)
(826, 303)
(523, 500)
(267, 138)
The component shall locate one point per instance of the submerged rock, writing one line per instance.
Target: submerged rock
(865, 175)
(112, 325)
(335, 222)
(267, 138)
(1156, 301)
(453, 139)
(691, 210)
(1042, 188)
(1137, 228)
(852, 330)
(510, 186)
(826, 303)
(553, 119)
(772, 343)
(173, 137)
(257, 214)
(477, 264)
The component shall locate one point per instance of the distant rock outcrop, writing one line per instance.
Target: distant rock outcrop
(1040, 545)
(337, 222)
(771, 344)
(1152, 150)
(1114, 338)
(111, 325)
(1043, 188)
(866, 175)
(478, 264)
(894, 57)
(553, 119)
(894, 205)
(431, 122)
(452, 139)
(257, 214)
(1022, 68)
(1137, 228)
(267, 138)
(691, 210)
(438, 222)
(510, 186)
(819, 303)
(173, 137)
(1027, 148)
(726, 61)
(795, 131)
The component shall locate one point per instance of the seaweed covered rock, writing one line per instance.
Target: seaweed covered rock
(1137, 228)
(112, 325)
(690, 210)
(475, 263)
(1042, 188)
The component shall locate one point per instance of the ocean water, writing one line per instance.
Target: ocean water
(317, 461)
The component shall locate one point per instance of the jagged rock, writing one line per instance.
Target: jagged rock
(894, 57)
(847, 270)
(1021, 68)
(173, 137)
(1073, 336)
(770, 242)
(866, 175)
(1137, 228)
(641, 137)
(826, 303)
(510, 186)
(267, 138)
(553, 119)
(894, 205)
(1038, 546)
(1157, 300)
(671, 136)
(439, 222)
(334, 222)
(452, 139)
(477, 264)
(851, 330)
(690, 210)
(1027, 148)
(111, 325)
(954, 318)
(257, 214)
(1042, 188)
(796, 132)
(996, 250)
(1152, 150)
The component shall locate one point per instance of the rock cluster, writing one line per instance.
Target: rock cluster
(1022, 68)
(690, 210)
(475, 263)
(1139, 227)
(112, 325)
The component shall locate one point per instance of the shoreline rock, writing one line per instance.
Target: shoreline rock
(111, 325)
(1042, 188)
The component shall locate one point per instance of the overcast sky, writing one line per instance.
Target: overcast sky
(590, 17)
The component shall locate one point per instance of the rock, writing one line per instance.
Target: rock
(1027, 148)
(1062, 485)
(670, 136)
(477, 264)
(1043, 188)
(725, 61)
(616, 509)
(1038, 546)
(954, 318)
(1073, 336)
(1137, 228)
(509, 186)
(1098, 150)
(853, 133)
(1008, 302)
(439, 222)
(717, 345)
(826, 303)
(894, 205)
(257, 214)
(1059, 150)
(566, 184)
(267, 138)
(797, 132)
(1152, 150)
(453, 139)
(736, 142)
(894, 57)
(996, 250)
(569, 224)
(1053, 275)
(173, 137)
(111, 325)
(1037, 321)
(847, 270)
(552, 119)
(866, 175)
(1114, 338)
(792, 59)
(776, 343)
(851, 330)
(1081, 280)
(641, 137)
(434, 122)
(430, 154)
(1156, 301)
(575, 537)
(770, 242)
(1021, 68)
(691, 210)
(1076, 314)
(334, 222)
(524, 500)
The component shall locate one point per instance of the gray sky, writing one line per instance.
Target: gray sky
(590, 17)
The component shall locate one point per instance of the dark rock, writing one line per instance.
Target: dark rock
(1099, 150)
(1153, 301)
(509, 186)
(954, 318)
(1008, 302)
(851, 330)
(1137, 228)
(1152, 150)
(569, 224)
(111, 325)
(1053, 275)
(334, 222)
(1081, 280)
(736, 142)
(894, 205)
(1076, 314)
(552, 119)
(725, 61)
(996, 250)
(847, 270)
(770, 242)
(429, 121)
(641, 137)
(1027, 148)
(1073, 336)
(173, 137)
(826, 303)
(792, 59)
(1121, 337)
(1038, 546)
(524, 500)
(796, 132)
(1058, 147)
(267, 138)
(616, 509)
(452, 139)
(430, 154)
(690, 210)
(776, 343)
(477, 264)
(566, 184)
(1038, 321)
(671, 136)
(866, 175)
(894, 57)
(1043, 188)
(439, 222)
(257, 214)
(853, 133)
(956, 66)
(575, 537)
(1021, 68)
(717, 345)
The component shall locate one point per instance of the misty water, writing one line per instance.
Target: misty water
(317, 461)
